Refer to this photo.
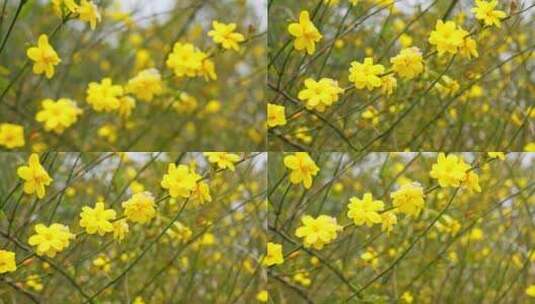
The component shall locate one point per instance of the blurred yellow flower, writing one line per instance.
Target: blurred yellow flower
(88, 12)
(145, 85)
(180, 181)
(275, 115)
(449, 170)
(302, 168)
(11, 135)
(305, 33)
(225, 35)
(140, 208)
(58, 115)
(274, 254)
(97, 220)
(365, 210)
(318, 95)
(104, 96)
(7, 261)
(223, 160)
(318, 232)
(35, 177)
(485, 11)
(44, 57)
(366, 74)
(50, 240)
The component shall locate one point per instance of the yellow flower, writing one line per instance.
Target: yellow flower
(366, 74)
(7, 261)
(302, 168)
(126, 105)
(44, 57)
(469, 48)
(108, 132)
(471, 182)
(69, 4)
(498, 155)
(447, 224)
(450, 171)
(447, 86)
(34, 281)
(187, 61)
(275, 115)
(140, 208)
(201, 194)
(365, 210)
(388, 220)
(408, 63)
(180, 181)
(120, 229)
(186, 103)
(145, 85)
(320, 94)
(318, 232)
(223, 160)
(485, 10)
(262, 296)
(11, 135)
(305, 33)
(224, 34)
(50, 240)
(35, 177)
(389, 84)
(104, 96)
(88, 12)
(530, 291)
(97, 220)
(409, 199)
(138, 300)
(180, 232)
(407, 297)
(446, 37)
(274, 255)
(58, 115)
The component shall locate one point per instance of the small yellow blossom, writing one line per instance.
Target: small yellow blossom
(388, 220)
(180, 181)
(447, 37)
(450, 171)
(7, 261)
(365, 210)
(120, 229)
(275, 115)
(409, 199)
(58, 115)
(88, 12)
(97, 220)
(366, 74)
(498, 155)
(274, 255)
(320, 94)
(485, 10)
(140, 208)
(224, 34)
(223, 160)
(318, 232)
(262, 296)
(305, 33)
(104, 96)
(145, 85)
(35, 177)
(50, 240)
(188, 61)
(11, 135)
(302, 168)
(530, 291)
(44, 57)
(408, 63)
